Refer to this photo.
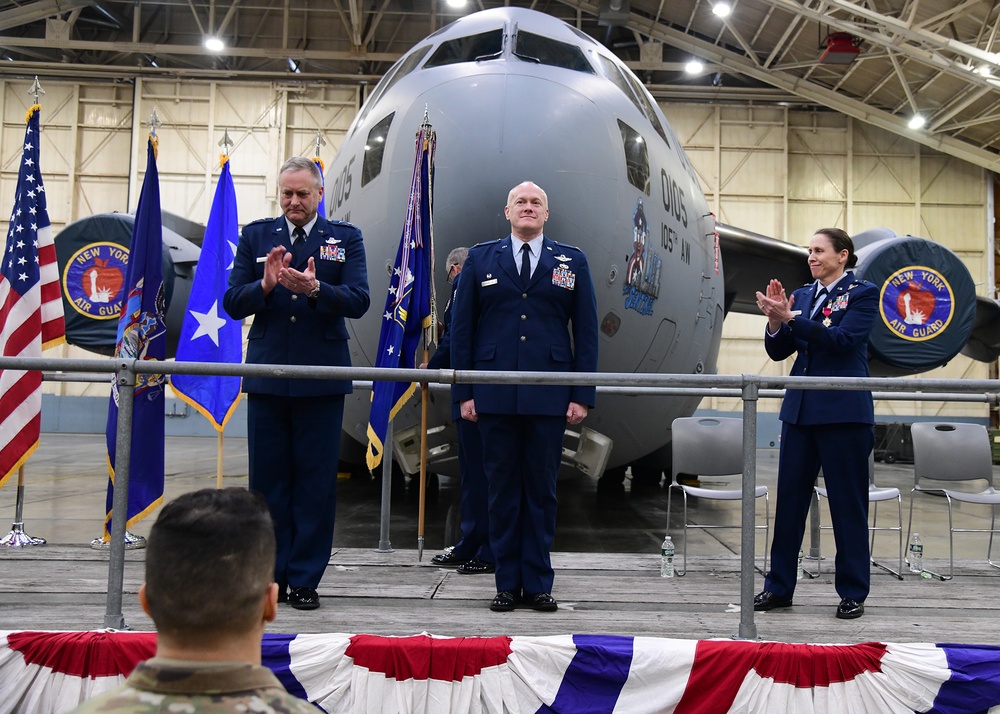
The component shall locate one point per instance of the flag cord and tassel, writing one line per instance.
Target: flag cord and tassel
(17, 538)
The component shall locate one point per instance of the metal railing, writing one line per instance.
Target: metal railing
(748, 387)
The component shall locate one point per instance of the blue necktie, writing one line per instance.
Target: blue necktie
(298, 242)
(525, 265)
(820, 297)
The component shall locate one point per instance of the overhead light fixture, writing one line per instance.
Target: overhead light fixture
(694, 66)
(214, 44)
(457, 4)
(841, 48)
(917, 122)
(984, 70)
(293, 65)
(612, 12)
(721, 9)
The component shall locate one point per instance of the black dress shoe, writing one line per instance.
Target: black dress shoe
(282, 593)
(503, 602)
(542, 602)
(849, 609)
(475, 567)
(448, 558)
(767, 600)
(303, 599)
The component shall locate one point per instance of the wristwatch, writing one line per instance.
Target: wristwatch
(790, 323)
(314, 293)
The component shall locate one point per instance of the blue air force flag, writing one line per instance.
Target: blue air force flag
(142, 336)
(208, 333)
(408, 303)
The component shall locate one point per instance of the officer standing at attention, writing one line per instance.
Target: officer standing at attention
(826, 324)
(472, 554)
(524, 303)
(299, 276)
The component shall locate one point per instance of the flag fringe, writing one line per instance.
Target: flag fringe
(190, 401)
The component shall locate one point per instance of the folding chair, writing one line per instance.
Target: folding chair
(876, 495)
(707, 447)
(954, 453)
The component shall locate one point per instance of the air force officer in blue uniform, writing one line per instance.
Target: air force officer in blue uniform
(299, 276)
(524, 303)
(472, 554)
(826, 324)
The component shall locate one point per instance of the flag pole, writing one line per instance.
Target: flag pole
(17, 538)
(423, 460)
(218, 461)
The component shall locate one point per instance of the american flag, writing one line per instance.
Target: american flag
(31, 315)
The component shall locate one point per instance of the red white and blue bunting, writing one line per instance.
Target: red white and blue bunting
(52, 672)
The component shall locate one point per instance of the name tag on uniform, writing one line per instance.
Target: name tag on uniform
(487, 283)
(332, 252)
(262, 259)
(563, 277)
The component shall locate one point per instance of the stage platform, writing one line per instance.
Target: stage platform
(623, 639)
(63, 588)
(606, 562)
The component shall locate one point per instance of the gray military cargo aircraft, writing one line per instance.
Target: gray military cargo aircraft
(516, 94)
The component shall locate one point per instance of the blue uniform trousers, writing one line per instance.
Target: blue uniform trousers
(475, 542)
(521, 459)
(842, 451)
(294, 446)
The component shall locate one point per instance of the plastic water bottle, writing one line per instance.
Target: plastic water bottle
(916, 554)
(667, 558)
(798, 570)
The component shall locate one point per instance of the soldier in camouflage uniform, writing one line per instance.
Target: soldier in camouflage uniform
(210, 591)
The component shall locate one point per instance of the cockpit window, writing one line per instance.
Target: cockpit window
(633, 90)
(636, 157)
(543, 50)
(375, 150)
(399, 70)
(488, 45)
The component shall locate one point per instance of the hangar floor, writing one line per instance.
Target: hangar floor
(606, 559)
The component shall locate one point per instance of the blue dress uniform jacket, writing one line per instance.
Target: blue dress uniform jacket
(294, 425)
(840, 350)
(832, 430)
(500, 327)
(548, 326)
(289, 328)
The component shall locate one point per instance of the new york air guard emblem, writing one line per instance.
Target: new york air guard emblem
(94, 278)
(917, 303)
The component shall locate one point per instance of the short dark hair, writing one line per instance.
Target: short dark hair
(301, 163)
(209, 562)
(840, 241)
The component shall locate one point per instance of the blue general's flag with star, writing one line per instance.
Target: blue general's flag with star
(208, 334)
(31, 316)
(142, 336)
(408, 303)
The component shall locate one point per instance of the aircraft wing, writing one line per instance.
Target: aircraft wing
(983, 344)
(750, 260)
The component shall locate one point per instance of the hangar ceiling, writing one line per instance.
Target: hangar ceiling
(880, 61)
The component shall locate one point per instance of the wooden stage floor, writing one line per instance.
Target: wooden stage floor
(606, 561)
